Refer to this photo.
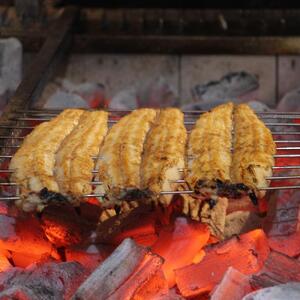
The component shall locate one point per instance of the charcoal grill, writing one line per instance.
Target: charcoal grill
(153, 31)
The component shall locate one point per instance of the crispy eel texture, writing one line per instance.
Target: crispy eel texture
(209, 149)
(74, 161)
(164, 154)
(253, 150)
(121, 154)
(34, 162)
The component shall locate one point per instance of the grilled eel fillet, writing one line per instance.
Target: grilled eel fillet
(164, 154)
(214, 169)
(253, 150)
(74, 162)
(120, 155)
(209, 150)
(34, 161)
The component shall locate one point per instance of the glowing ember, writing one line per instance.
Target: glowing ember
(245, 253)
(179, 245)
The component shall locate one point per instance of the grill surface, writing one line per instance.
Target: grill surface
(282, 125)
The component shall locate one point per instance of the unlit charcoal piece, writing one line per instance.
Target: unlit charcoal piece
(51, 281)
(234, 286)
(24, 235)
(278, 268)
(282, 224)
(112, 272)
(245, 253)
(290, 291)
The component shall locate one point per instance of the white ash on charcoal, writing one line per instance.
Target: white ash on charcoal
(63, 93)
(282, 224)
(290, 101)
(24, 235)
(234, 286)
(125, 274)
(153, 93)
(38, 282)
(277, 269)
(289, 291)
(238, 85)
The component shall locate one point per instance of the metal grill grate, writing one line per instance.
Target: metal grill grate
(282, 125)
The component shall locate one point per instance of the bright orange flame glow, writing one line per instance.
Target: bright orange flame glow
(179, 245)
(246, 254)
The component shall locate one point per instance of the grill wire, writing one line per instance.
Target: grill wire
(281, 125)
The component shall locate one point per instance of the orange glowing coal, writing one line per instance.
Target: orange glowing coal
(245, 253)
(179, 245)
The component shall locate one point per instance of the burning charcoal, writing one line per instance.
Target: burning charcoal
(289, 291)
(179, 245)
(155, 288)
(282, 224)
(114, 229)
(172, 295)
(234, 286)
(214, 216)
(4, 263)
(90, 257)
(144, 227)
(24, 235)
(122, 274)
(23, 260)
(147, 240)
(46, 281)
(278, 268)
(245, 253)
(64, 227)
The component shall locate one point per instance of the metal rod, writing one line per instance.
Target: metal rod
(9, 198)
(16, 127)
(286, 167)
(288, 187)
(286, 155)
(56, 111)
(283, 177)
(115, 121)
